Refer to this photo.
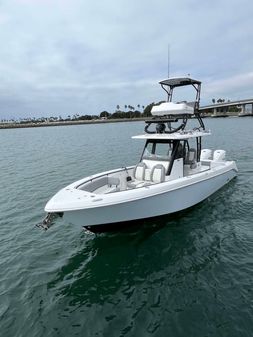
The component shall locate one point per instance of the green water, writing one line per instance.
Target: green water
(189, 275)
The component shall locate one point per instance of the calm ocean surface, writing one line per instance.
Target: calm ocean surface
(190, 275)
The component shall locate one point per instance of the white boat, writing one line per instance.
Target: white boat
(174, 173)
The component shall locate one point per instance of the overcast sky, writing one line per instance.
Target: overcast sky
(61, 57)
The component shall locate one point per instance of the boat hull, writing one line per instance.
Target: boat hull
(151, 206)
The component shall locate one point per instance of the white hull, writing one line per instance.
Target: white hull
(176, 198)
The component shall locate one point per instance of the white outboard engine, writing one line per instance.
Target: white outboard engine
(219, 155)
(206, 154)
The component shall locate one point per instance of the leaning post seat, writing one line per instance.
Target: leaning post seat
(191, 156)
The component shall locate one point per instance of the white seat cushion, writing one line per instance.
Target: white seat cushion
(139, 171)
(158, 173)
(147, 175)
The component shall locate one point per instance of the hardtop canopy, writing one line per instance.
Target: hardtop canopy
(179, 81)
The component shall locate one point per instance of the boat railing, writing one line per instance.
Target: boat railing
(99, 176)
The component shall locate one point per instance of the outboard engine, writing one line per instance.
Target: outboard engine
(219, 155)
(206, 154)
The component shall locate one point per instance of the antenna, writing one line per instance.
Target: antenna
(168, 60)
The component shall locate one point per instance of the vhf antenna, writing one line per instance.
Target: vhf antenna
(168, 60)
(169, 93)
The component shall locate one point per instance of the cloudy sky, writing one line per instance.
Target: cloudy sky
(61, 57)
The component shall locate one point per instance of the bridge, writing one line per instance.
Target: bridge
(242, 107)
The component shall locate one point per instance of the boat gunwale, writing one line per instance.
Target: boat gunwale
(212, 174)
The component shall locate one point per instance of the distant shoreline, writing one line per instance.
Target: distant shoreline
(66, 123)
(95, 121)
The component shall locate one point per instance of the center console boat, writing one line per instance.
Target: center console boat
(173, 173)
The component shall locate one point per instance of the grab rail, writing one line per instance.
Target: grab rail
(105, 175)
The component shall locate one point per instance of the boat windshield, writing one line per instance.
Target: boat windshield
(155, 150)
